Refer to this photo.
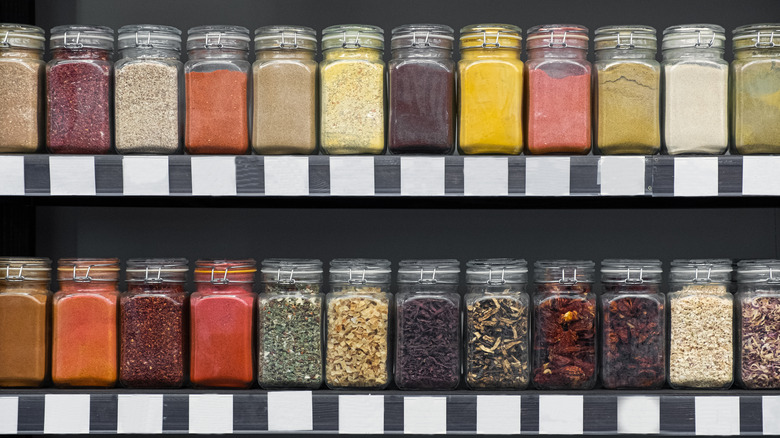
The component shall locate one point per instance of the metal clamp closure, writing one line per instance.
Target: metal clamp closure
(561, 45)
(361, 280)
(621, 45)
(700, 44)
(501, 280)
(353, 45)
(638, 280)
(158, 278)
(17, 277)
(290, 280)
(5, 42)
(772, 279)
(425, 43)
(570, 280)
(762, 44)
(75, 44)
(210, 44)
(696, 278)
(139, 39)
(431, 280)
(285, 45)
(86, 278)
(495, 44)
(223, 280)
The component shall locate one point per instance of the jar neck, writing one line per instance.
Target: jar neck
(145, 53)
(490, 53)
(270, 54)
(421, 52)
(26, 285)
(364, 53)
(612, 54)
(692, 53)
(91, 286)
(218, 289)
(21, 53)
(157, 288)
(84, 53)
(218, 54)
(752, 52)
(557, 53)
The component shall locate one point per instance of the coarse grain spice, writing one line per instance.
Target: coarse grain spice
(701, 343)
(760, 342)
(357, 339)
(21, 111)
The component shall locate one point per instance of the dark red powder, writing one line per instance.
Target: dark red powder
(558, 113)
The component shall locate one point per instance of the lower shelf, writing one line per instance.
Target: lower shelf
(732, 412)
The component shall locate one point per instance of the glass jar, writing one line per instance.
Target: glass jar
(497, 354)
(216, 82)
(147, 90)
(21, 96)
(352, 90)
(421, 82)
(289, 327)
(84, 323)
(78, 89)
(427, 343)
(490, 89)
(24, 321)
(627, 91)
(358, 331)
(756, 89)
(633, 335)
(696, 90)
(564, 325)
(285, 91)
(153, 324)
(558, 87)
(222, 324)
(758, 324)
(701, 320)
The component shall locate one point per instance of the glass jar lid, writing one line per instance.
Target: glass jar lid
(759, 271)
(286, 37)
(564, 271)
(757, 36)
(631, 271)
(359, 271)
(25, 269)
(701, 271)
(698, 36)
(74, 36)
(85, 270)
(429, 271)
(558, 36)
(496, 271)
(290, 271)
(421, 36)
(21, 36)
(153, 271)
(353, 36)
(625, 38)
(219, 271)
(491, 36)
(218, 37)
(149, 36)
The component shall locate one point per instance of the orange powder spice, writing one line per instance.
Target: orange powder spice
(216, 113)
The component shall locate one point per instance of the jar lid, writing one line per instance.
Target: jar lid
(25, 269)
(759, 271)
(149, 36)
(558, 36)
(429, 271)
(153, 271)
(218, 37)
(698, 36)
(353, 36)
(75, 36)
(496, 271)
(564, 271)
(21, 36)
(701, 270)
(219, 271)
(625, 37)
(631, 271)
(757, 36)
(359, 271)
(286, 37)
(288, 271)
(422, 36)
(85, 270)
(491, 36)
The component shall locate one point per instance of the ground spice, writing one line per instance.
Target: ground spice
(21, 97)
(146, 102)
(357, 339)
(628, 108)
(759, 341)
(24, 332)
(558, 112)
(216, 112)
(756, 101)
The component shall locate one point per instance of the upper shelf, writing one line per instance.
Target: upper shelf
(250, 175)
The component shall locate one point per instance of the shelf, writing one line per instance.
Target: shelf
(369, 176)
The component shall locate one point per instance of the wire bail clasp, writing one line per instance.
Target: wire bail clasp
(425, 43)
(285, 45)
(772, 279)
(696, 278)
(700, 44)
(570, 280)
(5, 42)
(431, 280)
(210, 44)
(765, 44)
(139, 40)
(86, 278)
(158, 278)
(223, 280)
(622, 45)
(638, 280)
(290, 280)
(361, 280)
(75, 43)
(501, 280)
(494, 44)
(17, 277)
(562, 44)
(352, 45)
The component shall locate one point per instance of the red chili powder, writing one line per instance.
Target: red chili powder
(558, 113)
(216, 113)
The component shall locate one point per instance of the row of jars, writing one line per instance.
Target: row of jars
(503, 107)
(292, 336)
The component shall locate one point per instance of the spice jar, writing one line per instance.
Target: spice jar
(153, 325)
(352, 98)
(289, 327)
(78, 89)
(222, 324)
(756, 89)
(216, 79)
(558, 87)
(427, 344)
(701, 318)
(564, 325)
(633, 353)
(497, 324)
(758, 324)
(84, 323)
(285, 98)
(422, 90)
(490, 89)
(21, 95)
(627, 91)
(696, 90)
(358, 331)
(147, 90)
(24, 321)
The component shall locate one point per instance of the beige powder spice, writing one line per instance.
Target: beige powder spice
(21, 100)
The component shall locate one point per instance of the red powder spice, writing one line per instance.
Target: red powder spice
(216, 113)
(558, 113)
